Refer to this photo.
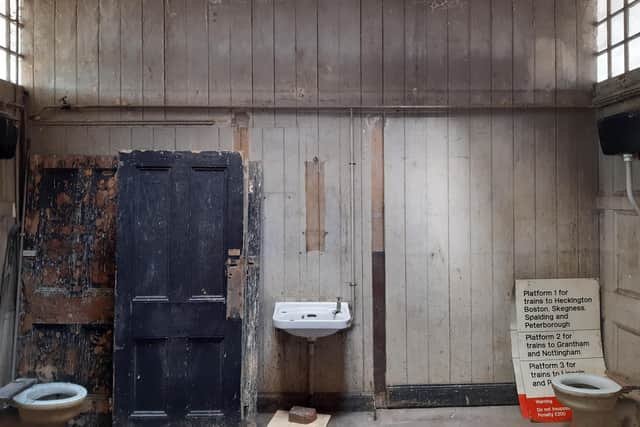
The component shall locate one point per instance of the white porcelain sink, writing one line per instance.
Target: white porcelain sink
(311, 319)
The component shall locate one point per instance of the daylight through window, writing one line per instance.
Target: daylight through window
(10, 34)
(618, 37)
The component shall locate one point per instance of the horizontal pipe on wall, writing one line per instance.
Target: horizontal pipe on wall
(318, 108)
(125, 123)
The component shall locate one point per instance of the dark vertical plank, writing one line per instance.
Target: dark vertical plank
(176, 65)
(44, 50)
(153, 46)
(65, 49)
(131, 56)
(328, 52)
(371, 53)
(263, 55)
(109, 54)
(240, 52)
(284, 60)
(545, 51)
(436, 70)
(523, 52)
(87, 54)
(393, 48)
(219, 53)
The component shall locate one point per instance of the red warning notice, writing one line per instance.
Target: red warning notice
(556, 331)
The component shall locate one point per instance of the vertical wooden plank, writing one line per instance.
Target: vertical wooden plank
(176, 58)
(164, 138)
(567, 188)
(44, 50)
(416, 52)
(197, 65)
(284, 59)
(373, 138)
(524, 177)
(586, 62)
(296, 353)
(480, 193)
(119, 139)
(349, 53)
(77, 140)
(459, 54)
(87, 54)
(328, 52)
(502, 186)
(436, 69)
(523, 52)
(98, 140)
(142, 138)
(481, 250)
(460, 249)
(566, 51)
(263, 54)
(503, 235)
(545, 48)
(371, 51)
(546, 215)
(240, 52)
(109, 54)
(65, 50)
(219, 53)
(306, 37)
(501, 51)
(459, 196)
(588, 231)
(131, 56)
(153, 54)
(273, 259)
(394, 238)
(480, 48)
(393, 48)
(416, 250)
(331, 274)
(438, 250)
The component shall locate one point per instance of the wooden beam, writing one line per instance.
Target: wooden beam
(252, 292)
(378, 263)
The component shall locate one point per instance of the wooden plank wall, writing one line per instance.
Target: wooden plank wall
(472, 200)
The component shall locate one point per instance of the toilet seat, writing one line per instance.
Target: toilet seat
(29, 397)
(597, 386)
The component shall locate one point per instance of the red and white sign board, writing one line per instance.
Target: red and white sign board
(556, 330)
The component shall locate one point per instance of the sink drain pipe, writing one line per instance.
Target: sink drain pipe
(628, 158)
(311, 350)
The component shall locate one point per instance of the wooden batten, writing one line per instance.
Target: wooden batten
(315, 201)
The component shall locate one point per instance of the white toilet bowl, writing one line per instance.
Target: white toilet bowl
(66, 402)
(592, 398)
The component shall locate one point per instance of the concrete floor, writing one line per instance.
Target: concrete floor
(494, 416)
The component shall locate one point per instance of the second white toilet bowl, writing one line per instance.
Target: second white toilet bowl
(51, 403)
(592, 398)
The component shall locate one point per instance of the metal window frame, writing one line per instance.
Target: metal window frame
(5, 15)
(626, 40)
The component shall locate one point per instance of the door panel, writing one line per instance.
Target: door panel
(177, 353)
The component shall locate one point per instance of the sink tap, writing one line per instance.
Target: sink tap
(338, 306)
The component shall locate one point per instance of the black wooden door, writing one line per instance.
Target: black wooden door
(177, 346)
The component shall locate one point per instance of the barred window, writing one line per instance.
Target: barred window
(10, 34)
(618, 37)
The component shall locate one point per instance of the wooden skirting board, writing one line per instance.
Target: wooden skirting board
(446, 395)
